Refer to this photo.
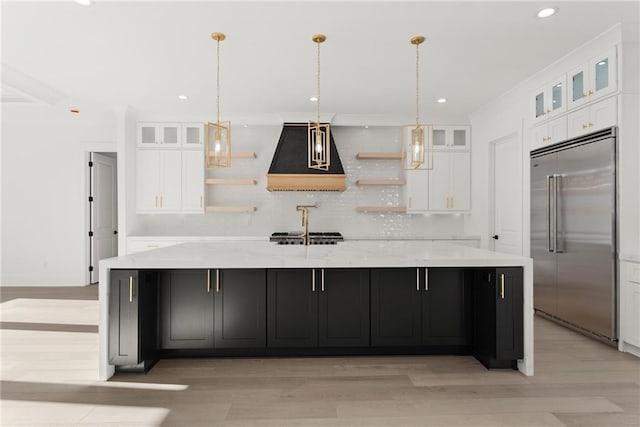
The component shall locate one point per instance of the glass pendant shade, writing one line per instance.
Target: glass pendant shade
(417, 146)
(218, 144)
(318, 137)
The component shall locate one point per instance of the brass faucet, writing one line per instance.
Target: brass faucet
(305, 220)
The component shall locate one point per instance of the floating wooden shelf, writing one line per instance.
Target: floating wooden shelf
(381, 182)
(378, 209)
(380, 156)
(230, 181)
(239, 154)
(230, 209)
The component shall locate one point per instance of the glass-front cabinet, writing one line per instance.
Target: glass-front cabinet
(448, 138)
(593, 79)
(159, 135)
(551, 99)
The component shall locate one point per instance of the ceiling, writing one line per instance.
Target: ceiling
(144, 54)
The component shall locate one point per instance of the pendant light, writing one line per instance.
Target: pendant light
(218, 134)
(318, 134)
(417, 146)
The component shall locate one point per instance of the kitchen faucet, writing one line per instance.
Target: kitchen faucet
(305, 220)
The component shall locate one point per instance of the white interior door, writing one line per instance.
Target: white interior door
(507, 195)
(104, 208)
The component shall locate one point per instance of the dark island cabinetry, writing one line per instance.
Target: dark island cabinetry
(421, 306)
(318, 307)
(307, 311)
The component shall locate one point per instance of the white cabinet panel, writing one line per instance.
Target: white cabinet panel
(630, 299)
(594, 117)
(450, 182)
(549, 133)
(158, 181)
(460, 181)
(440, 182)
(417, 191)
(193, 181)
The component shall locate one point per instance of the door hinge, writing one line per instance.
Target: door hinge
(90, 199)
(91, 268)
(90, 164)
(91, 234)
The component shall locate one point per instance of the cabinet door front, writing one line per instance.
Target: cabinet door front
(124, 290)
(417, 191)
(343, 316)
(439, 182)
(292, 308)
(240, 308)
(509, 312)
(193, 181)
(395, 307)
(446, 307)
(186, 313)
(147, 180)
(460, 198)
(171, 181)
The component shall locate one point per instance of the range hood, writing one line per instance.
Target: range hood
(289, 171)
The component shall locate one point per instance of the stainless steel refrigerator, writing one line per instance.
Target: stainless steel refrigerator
(573, 232)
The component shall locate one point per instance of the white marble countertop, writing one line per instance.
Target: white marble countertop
(263, 254)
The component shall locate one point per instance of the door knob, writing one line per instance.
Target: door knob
(115, 231)
(495, 237)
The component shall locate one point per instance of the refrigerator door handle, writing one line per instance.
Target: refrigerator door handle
(549, 204)
(557, 188)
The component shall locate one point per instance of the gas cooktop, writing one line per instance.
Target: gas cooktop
(315, 238)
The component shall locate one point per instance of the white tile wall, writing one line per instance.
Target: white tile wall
(276, 210)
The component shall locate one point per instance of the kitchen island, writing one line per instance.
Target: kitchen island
(386, 281)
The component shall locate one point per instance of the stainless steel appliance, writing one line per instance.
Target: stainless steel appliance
(573, 232)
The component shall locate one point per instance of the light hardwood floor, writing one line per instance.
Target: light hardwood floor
(49, 350)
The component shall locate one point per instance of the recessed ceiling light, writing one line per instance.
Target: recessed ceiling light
(84, 2)
(313, 99)
(546, 12)
(183, 97)
(442, 100)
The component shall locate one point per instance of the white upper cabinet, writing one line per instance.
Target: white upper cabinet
(450, 183)
(551, 99)
(158, 181)
(594, 79)
(594, 117)
(549, 133)
(159, 135)
(448, 138)
(417, 191)
(193, 135)
(193, 181)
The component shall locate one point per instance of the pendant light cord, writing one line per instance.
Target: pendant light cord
(318, 83)
(417, 85)
(218, 83)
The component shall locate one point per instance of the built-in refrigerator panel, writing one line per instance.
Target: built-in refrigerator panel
(543, 168)
(585, 248)
(573, 232)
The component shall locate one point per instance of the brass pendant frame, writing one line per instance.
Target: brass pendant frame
(221, 157)
(318, 140)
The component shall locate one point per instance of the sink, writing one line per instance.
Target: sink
(315, 238)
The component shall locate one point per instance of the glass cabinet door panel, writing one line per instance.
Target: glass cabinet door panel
(170, 134)
(439, 138)
(578, 86)
(602, 74)
(556, 96)
(147, 134)
(540, 104)
(459, 137)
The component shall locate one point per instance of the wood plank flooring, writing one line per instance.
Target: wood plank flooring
(48, 366)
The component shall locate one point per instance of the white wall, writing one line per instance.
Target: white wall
(276, 210)
(44, 193)
(512, 112)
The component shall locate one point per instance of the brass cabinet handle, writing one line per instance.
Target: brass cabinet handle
(217, 280)
(502, 286)
(208, 281)
(313, 280)
(322, 280)
(426, 279)
(417, 279)
(585, 125)
(130, 288)
(590, 124)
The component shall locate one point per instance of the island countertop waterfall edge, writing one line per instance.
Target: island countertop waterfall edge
(348, 254)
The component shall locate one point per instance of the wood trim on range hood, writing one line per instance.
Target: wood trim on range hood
(300, 182)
